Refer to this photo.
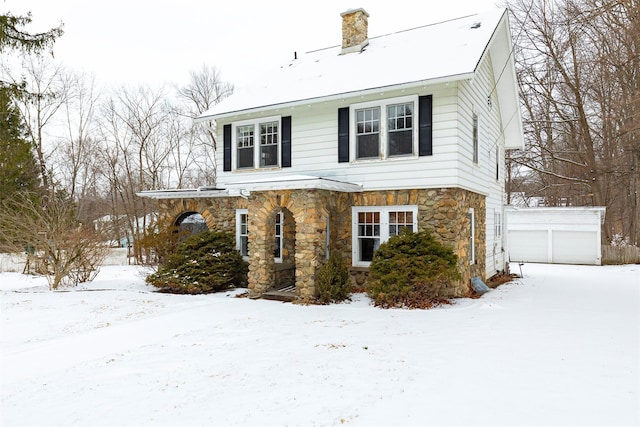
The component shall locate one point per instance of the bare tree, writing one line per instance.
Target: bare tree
(57, 245)
(578, 75)
(204, 90)
(133, 124)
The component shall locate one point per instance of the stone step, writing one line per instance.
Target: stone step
(283, 293)
(279, 296)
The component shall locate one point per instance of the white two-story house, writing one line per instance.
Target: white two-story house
(344, 147)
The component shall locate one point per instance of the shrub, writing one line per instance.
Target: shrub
(334, 283)
(410, 270)
(203, 263)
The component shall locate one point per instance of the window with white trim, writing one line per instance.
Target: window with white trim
(384, 129)
(242, 232)
(476, 147)
(472, 236)
(257, 143)
(277, 248)
(374, 225)
(497, 220)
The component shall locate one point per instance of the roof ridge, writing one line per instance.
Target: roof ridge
(399, 31)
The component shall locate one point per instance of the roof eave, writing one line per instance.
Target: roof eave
(197, 193)
(337, 96)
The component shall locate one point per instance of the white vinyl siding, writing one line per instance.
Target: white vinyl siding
(315, 152)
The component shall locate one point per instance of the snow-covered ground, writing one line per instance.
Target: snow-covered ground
(560, 346)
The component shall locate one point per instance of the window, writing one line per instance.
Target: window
(472, 238)
(277, 248)
(497, 163)
(475, 138)
(384, 129)
(265, 133)
(244, 141)
(368, 234)
(374, 225)
(269, 144)
(400, 129)
(242, 232)
(399, 221)
(368, 133)
(497, 220)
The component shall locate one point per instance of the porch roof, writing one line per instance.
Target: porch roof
(244, 188)
(295, 182)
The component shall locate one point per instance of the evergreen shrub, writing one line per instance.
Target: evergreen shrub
(333, 282)
(203, 263)
(410, 270)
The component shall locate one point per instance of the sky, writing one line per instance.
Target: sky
(144, 42)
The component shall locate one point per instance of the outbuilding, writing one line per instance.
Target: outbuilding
(555, 235)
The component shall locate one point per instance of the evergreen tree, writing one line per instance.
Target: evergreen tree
(13, 36)
(18, 166)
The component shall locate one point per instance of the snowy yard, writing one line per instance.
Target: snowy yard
(559, 346)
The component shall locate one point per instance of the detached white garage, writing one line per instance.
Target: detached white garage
(554, 235)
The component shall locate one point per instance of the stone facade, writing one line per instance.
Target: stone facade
(318, 221)
(355, 28)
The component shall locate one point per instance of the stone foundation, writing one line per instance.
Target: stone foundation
(318, 221)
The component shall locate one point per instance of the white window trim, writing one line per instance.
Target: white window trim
(384, 226)
(497, 219)
(240, 212)
(256, 143)
(279, 215)
(384, 148)
(472, 237)
(475, 139)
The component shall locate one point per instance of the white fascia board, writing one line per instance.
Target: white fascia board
(296, 182)
(198, 193)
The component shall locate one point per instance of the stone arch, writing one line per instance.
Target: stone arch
(190, 222)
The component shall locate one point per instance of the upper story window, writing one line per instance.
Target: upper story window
(368, 133)
(400, 129)
(385, 128)
(476, 148)
(257, 143)
(245, 144)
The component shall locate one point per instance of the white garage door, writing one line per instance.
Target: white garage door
(528, 246)
(574, 247)
(563, 235)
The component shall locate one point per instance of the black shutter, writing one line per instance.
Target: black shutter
(425, 128)
(226, 144)
(285, 160)
(343, 135)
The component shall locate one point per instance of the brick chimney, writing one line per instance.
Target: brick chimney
(354, 30)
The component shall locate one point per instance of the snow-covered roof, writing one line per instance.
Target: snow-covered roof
(244, 188)
(445, 51)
